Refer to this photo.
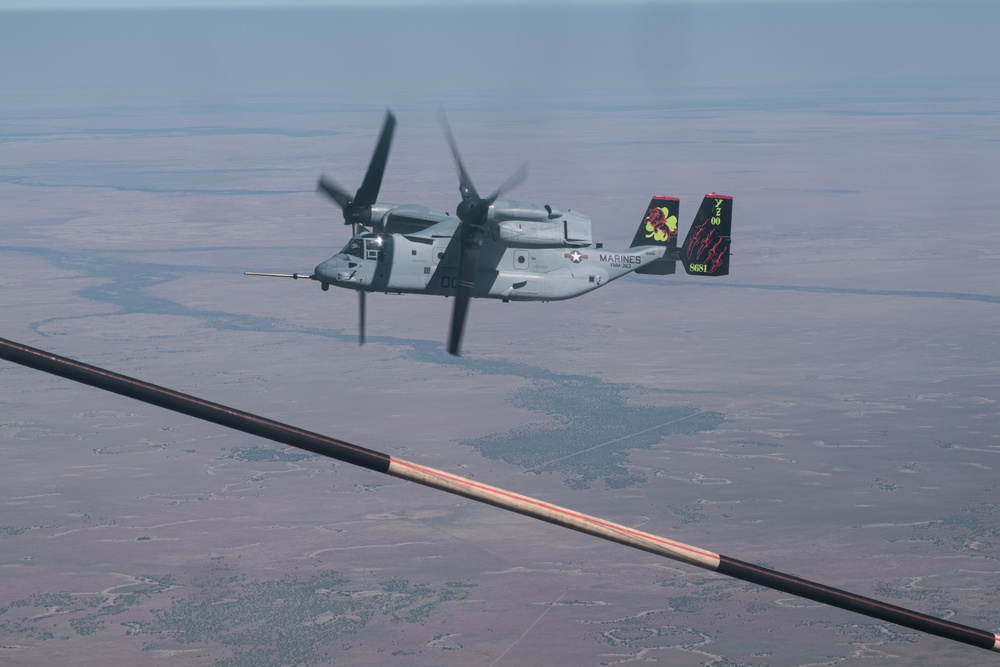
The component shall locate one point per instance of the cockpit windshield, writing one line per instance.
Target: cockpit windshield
(368, 246)
(354, 248)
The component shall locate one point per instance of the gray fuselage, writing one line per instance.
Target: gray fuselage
(520, 260)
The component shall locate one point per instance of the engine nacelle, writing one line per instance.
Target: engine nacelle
(376, 213)
(502, 211)
(569, 229)
(404, 219)
(530, 233)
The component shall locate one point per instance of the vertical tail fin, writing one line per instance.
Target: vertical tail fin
(659, 227)
(706, 249)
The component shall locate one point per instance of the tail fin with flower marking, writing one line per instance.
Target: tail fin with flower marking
(659, 227)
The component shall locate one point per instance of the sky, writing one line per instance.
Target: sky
(542, 51)
(160, 4)
(176, 4)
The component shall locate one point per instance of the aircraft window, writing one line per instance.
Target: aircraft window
(353, 248)
(373, 248)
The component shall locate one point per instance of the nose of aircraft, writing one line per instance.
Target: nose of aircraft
(338, 269)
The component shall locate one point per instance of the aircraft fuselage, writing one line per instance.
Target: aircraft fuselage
(428, 264)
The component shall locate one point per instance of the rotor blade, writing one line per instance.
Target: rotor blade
(512, 182)
(368, 192)
(334, 191)
(466, 187)
(467, 261)
(491, 495)
(460, 310)
(361, 319)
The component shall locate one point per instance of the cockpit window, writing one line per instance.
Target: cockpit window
(354, 248)
(364, 247)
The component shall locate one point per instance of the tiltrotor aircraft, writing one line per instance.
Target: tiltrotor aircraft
(500, 249)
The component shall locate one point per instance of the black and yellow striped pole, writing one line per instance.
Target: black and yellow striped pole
(515, 502)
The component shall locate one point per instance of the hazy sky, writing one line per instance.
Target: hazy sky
(174, 4)
(145, 4)
(534, 50)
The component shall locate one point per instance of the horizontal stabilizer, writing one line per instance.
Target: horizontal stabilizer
(660, 267)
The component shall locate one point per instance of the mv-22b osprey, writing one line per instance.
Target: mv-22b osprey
(500, 249)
